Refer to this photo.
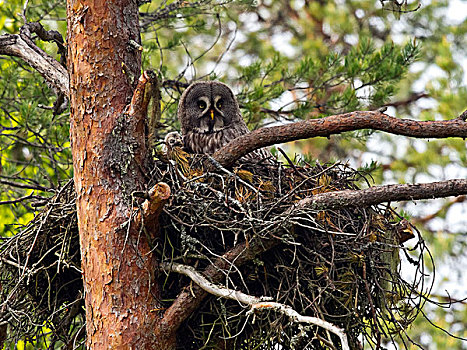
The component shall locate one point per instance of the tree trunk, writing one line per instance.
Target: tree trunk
(109, 152)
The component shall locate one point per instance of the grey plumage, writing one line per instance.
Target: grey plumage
(171, 140)
(210, 117)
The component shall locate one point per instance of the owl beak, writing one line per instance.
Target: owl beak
(212, 114)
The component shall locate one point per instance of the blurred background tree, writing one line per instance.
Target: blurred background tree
(286, 60)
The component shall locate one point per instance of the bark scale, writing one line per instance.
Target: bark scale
(109, 152)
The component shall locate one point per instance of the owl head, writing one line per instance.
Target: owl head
(207, 107)
(173, 139)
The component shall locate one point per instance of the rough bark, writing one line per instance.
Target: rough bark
(109, 152)
(20, 45)
(387, 193)
(336, 124)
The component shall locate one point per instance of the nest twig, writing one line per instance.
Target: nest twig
(41, 276)
(341, 266)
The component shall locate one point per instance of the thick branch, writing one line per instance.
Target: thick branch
(20, 45)
(192, 296)
(337, 124)
(152, 207)
(256, 303)
(382, 194)
(158, 195)
(139, 101)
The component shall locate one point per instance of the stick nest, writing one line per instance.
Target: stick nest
(339, 265)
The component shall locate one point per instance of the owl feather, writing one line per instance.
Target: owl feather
(210, 118)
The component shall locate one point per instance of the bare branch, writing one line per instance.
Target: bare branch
(191, 297)
(211, 288)
(296, 317)
(45, 35)
(409, 100)
(22, 199)
(256, 303)
(386, 193)
(26, 186)
(337, 124)
(20, 45)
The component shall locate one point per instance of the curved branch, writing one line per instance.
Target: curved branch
(296, 317)
(386, 193)
(189, 299)
(20, 45)
(256, 303)
(336, 124)
(210, 287)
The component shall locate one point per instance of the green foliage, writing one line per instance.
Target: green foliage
(34, 144)
(287, 61)
(11, 11)
(297, 61)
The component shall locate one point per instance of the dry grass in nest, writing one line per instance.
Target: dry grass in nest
(338, 265)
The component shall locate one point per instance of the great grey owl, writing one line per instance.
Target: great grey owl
(210, 117)
(173, 149)
(172, 139)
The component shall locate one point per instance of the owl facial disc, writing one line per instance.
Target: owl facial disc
(210, 118)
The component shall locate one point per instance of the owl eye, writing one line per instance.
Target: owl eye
(201, 104)
(219, 104)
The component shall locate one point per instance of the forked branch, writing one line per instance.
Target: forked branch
(22, 46)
